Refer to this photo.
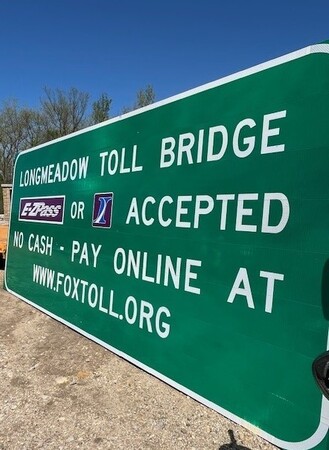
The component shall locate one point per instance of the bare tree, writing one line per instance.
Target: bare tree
(144, 97)
(34, 127)
(101, 109)
(63, 112)
(13, 136)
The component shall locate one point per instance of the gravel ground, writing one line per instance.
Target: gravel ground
(59, 390)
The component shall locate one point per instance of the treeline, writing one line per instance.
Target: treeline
(60, 113)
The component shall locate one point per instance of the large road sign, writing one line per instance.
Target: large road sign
(192, 238)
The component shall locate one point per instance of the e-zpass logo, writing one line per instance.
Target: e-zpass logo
(42, 209)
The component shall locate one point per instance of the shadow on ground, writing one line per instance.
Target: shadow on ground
(233, 445)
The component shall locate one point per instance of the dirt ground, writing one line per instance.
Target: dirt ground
(59, 390)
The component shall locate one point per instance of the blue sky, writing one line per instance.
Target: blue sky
(120, 46)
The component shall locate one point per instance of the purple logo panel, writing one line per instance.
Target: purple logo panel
(102, 211)
(42, 209)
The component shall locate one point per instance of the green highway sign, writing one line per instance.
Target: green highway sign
(191, 237)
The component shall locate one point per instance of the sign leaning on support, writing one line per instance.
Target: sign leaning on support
(191, 237)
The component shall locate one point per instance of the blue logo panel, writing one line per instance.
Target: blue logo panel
(102, 211)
